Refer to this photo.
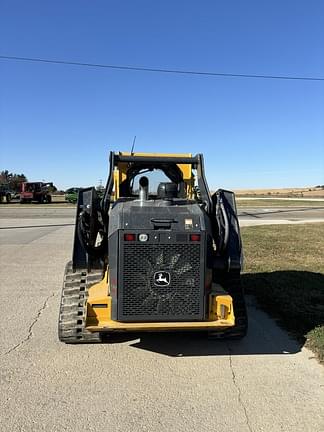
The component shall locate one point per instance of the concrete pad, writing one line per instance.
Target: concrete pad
(152, 382)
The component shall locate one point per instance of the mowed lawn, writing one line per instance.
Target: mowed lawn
(284, 268)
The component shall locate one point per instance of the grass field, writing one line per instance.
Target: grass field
(57, 201)
(284, 268)
(310, 192)
(241, 203)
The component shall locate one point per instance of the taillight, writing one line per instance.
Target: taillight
(129, 237)
(195, 237)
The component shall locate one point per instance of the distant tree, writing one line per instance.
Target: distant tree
(16, 180)
(12, 179)
(4, 175)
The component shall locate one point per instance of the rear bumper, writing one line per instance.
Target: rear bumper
(220, 314)
(117, 326)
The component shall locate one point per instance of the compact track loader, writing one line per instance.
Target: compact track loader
(154, 255)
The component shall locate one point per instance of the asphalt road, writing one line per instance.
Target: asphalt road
(279, 215)
(17, 215)
(156, 382)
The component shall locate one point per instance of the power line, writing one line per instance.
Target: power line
(158, 70)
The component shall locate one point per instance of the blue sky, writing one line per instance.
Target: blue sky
(58, 122)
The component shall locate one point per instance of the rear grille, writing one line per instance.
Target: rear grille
(141, 299)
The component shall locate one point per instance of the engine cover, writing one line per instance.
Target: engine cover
(159, 271)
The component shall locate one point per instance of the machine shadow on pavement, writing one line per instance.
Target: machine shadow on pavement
(265, 335)
(295, 297)
(264, 338)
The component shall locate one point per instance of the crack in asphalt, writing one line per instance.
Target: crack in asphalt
(239, 394)
(30, 328)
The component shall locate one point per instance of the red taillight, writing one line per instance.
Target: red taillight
(129, 237)
(194, 237)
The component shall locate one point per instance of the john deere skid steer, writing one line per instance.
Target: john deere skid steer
(154, 255)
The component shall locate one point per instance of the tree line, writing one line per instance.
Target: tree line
(12, 180)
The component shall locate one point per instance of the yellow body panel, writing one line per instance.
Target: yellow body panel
(221, 314)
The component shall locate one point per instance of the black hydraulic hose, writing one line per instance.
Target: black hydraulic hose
(91, 250)
(226, 224)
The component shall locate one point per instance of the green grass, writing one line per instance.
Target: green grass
(284, 268)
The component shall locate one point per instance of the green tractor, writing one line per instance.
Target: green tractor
(71, 195)
(5, 193)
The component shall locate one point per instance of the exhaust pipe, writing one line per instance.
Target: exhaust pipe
(143, 191)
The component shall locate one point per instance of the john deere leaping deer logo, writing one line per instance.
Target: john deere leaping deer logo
(162, 278)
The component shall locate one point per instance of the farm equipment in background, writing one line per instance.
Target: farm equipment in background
(159, 256)
(6, 194)
(36, 191)
(71, 195)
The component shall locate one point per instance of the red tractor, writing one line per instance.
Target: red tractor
(35, 191)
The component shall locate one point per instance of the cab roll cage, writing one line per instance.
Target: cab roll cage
(196, 161)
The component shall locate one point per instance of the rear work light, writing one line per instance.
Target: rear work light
(129, 237)
(195, 237)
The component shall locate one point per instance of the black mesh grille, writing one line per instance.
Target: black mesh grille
(142, 299)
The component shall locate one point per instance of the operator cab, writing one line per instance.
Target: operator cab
(163, 182)
(167, 190)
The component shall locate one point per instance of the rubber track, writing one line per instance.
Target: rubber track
(72, 316)
(231, 282)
